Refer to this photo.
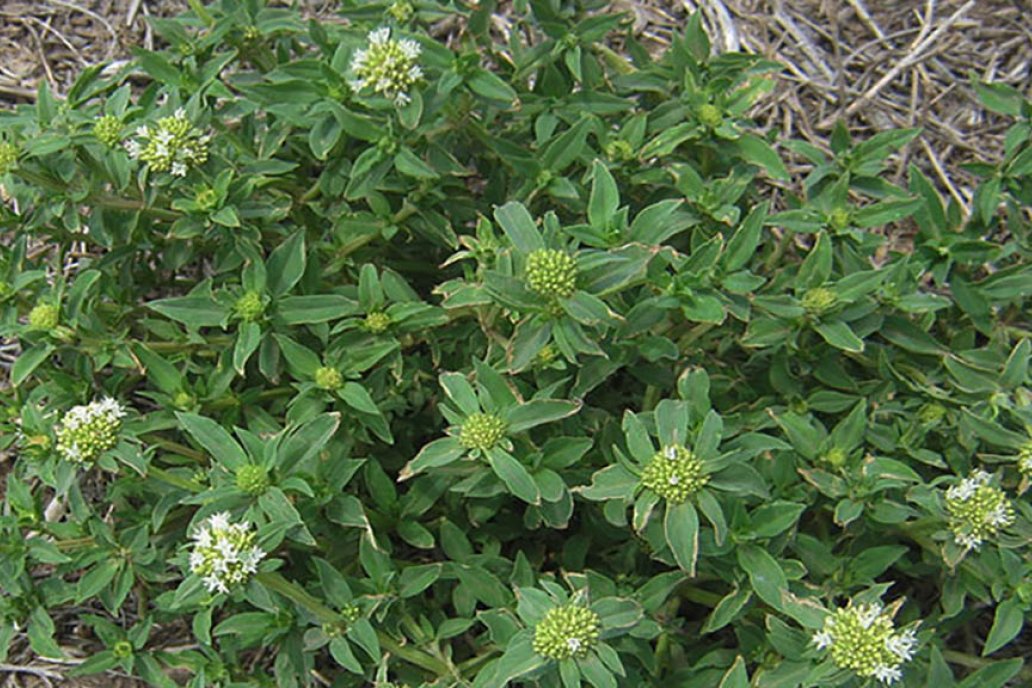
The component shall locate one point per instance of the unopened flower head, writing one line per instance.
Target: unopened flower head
(224, 553)
(388, 66)
(551, 273)
(710, 115)
(252, 479)
(566, 632)
(108, 130)
(172, 145)
(819, 300)
(977, 510)
(674, 473)
(8, 156)
(376, 323)
(44, 317)
(1025, 460)
(88, 431)
(482, 431)
(249, 306)
(328, 378)
(862, 638)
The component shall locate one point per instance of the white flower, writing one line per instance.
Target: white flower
(888, 674)
(178, 169)
(902, 645)
(823, 639)
(574, 644)
(224, 553)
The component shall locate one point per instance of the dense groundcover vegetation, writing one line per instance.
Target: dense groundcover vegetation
(348, 358)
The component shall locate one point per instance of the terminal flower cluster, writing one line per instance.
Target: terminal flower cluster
(566, 632)
(674, 473)
(88, 431)
(224, 553)
(551, 273)
(388, 66)
(482, 431)
(977, 510)
(172, 145)
(862, 638)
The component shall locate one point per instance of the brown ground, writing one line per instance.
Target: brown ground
(877, 64)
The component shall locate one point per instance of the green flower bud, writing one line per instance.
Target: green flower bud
(619, 150)
(108, 130)
(566, 632)
(206, 199)
(674, 473)
(122, 649)
(819, 300)
(8, 156)
(249, 307)
(252, 34)
(388, 66)
(840, 218)
(977, 510)
(482, 431)
(88, 431)
(1025, 460)
(710, 116)
(183, 400)
(931, 414)
(551, 273)
(328, 378)
(835, 457)
(401, 11)
(863, 640)
(252, 479)
(44, 317)
(376, 323)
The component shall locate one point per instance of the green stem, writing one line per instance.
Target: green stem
(201, 12)
(173, 479)
(175, 447)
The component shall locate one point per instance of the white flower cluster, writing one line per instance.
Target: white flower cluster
(388, 66)
(88, 431)
(862, 638)
(224, 553)
(977, 510)
(172, 145)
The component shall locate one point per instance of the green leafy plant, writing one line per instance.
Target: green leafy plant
(347, 356)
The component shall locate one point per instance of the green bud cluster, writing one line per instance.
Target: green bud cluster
(252, 479)
(674, 473)
(8, 156)
(819, 300)
(839, 218)
(977, 510)
(327, 377)
(401, 10)
(108, 130)
(619, 150)
(86, 432)
(482, 431)
(122, 649)
(172, 145)
(224, 553)
(566, 632)
(710, 115)
(388, 66)
(835, 457)
(551, 273)
(376, 323)
(931, 413)
(863, 639)
(44, 317)
(249, 307)
(1025, 460)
